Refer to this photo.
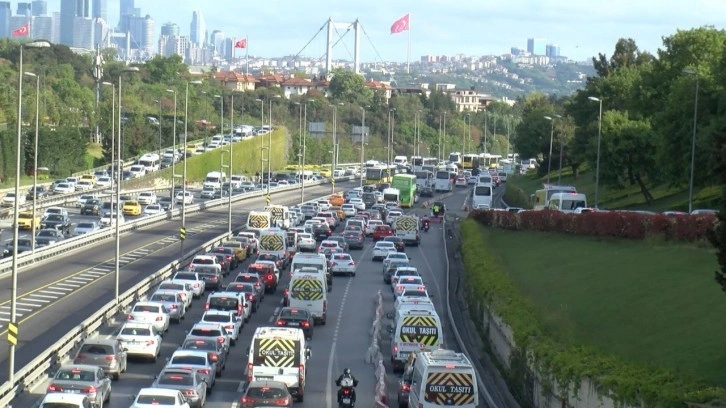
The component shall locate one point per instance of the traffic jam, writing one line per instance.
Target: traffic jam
(293, 256)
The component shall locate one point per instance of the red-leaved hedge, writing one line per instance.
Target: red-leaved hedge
(630, 225)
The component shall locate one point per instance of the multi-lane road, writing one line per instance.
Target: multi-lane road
(342, 343)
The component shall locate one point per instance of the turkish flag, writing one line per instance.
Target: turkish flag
(241, 43)
(400, 25)
(22, 31)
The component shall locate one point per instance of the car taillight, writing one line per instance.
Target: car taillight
(351, 263)
(150, 342)
(268, 277)
(110, 358)
(421, 288)
(130, 317)
(190, 393)
(206, 306)
(203, 371)
(395, 349)
(282, 401)
(213, 357)
(346, 391)
(173, 307)
(54, 388)
(305, 324)
(229, 326)
(89, 390)
(196, 285)
(250, 297)
(257, 285)
(159, 318)
(247, 400)
(301, 373)
(220, 339)
(249, 372)
(229, 257)
(405, 388)
(399, 287)
(214, 278)
(280, 323)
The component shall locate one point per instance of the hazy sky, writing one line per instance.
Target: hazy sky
(582, 28)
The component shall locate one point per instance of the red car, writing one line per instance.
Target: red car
(266, 273)
(381, 232)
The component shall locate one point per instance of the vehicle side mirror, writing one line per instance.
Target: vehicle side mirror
(308, 352)
(132, 397)
(247, 351)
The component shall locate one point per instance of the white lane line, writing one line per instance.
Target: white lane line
(241, 387)
(98, 273)
(23, 309)
(328, 388)
(38, 295)
(65, 286)
(53, 292)
(81, 278)
(76, 281)
(8, 313)
(27, 302)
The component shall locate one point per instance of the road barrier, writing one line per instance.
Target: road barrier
(43, 366)
(374, 356)
(77, 243)
(381, 399)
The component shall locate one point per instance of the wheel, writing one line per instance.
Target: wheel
(300, 398)
(233, 342)
(116, 376)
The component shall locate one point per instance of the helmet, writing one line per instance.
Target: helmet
(346, 382)
(346, 371)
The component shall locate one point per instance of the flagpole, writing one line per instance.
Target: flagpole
(234, 51)
(247, 57)
(408, 57)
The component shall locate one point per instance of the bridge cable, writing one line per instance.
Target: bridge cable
(371, 42)
(311, 40)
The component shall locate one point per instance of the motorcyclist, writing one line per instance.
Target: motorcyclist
(346, 380)
(436, 210)
(425, 222)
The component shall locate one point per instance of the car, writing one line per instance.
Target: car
(58, 222)
(166, 203)
(342, 263)
(306, 242)
(256, 280)
(407, 282)
(24, 245)
(228, 319)
(91, 207)
(249, 290)
(381, 250)
(46, 237)
(61, 188)
(397, 241)
(39, 192)
(340, 239)
(85, 227)
(217, 351)
(212, 330)
(357, 203)
(84, 379)
(354, 240)
(298, 318)
(401, 272)
(212, 277)
(104, 353)
(9, 200)
(28, 221)
(108, 219)
(173, 303)
(239, 250)
(104, 181)
(150, 312)
(153, 209)
(409, 295)
(461, 181)
(160, 397)
(266, 393)
(208, 192)
(229, 254)
(197, 360)
(184, 288)
(394, 256)
(84, 185)
(140, 340)
(146, 198)
(268, 267)
(197, 283)
(371, 226)
(252, 238)
(132, 208)
(392, 269)
(321, 231)
(192, 384)
(381, 232)
(65, 400)
(184, 198)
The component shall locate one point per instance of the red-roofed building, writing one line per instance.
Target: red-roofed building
(384, 87)
(270, 80)
(235, 81)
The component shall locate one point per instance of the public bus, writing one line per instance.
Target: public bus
(490, 161)
(406, 185)
(416, 163)
(455, 158)
(471, 161)
(379, 174)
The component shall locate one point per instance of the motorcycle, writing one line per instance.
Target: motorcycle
(346, 393)
(426, 226)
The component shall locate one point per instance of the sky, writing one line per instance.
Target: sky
(582, 28)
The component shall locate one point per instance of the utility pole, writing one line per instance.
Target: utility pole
(98, 75)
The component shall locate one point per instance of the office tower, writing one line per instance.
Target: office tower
(5, 13)
(23, 9)
(553, 50)
(198, 29)
(517, 51)
(17, 22)
(100, 33)
(174, 45)
(216, 40)
(142, 32)
(42, 28)
(100, 9)
(170, 29)
(70, 9)
(39, 8)
(83, 33)
(126, 7)
(536, 46)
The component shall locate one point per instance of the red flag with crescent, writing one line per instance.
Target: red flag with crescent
(400, 25)
(22, 30)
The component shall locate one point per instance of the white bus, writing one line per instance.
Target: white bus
(482, 196)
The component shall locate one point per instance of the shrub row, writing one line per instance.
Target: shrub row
(614, 224)
(627, 383)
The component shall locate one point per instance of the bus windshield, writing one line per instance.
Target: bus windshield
(442, 175)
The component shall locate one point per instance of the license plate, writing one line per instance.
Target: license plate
(72, 391)
(293, 324)
(260, 378)
(346, 400)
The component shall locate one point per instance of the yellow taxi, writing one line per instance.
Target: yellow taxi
(131, 207)
(27, 221)
(89, 177)
(239, 250)
(339, 211)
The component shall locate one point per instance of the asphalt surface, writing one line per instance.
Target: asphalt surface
(56, 296)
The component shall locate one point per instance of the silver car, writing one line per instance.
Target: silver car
(82, 379)
(199, 361)
(192, 384)
(172, 301)
(104, 353)
(86, 227)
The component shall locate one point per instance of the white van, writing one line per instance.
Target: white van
(316, 261)
(567, 202)
(415, 329)
(279, 354)
(258, 221)
(280, 215)
(150, 161)
(442, 182)
(309, 290)
(400, 160)
(215, 179)
(482, 196)
(273, 241)
(443, 378)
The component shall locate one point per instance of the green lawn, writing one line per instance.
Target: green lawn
(630, 197)
(655, 303)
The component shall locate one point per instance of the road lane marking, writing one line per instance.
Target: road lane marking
(66, 285)
(328, 388)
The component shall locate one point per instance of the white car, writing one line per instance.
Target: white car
(153, 209)
(397, 256)
(104, 181)
(323, 205)
(65, 400)
(184, 197)
(140, 339)
(358, 204)
(306, 242)
(109, 219)
(85, 227)
(211, 330)
(325, 244)
(342, 263)
(251, 237)
(228, 319)
(408, 282)
(84, 185)
(349, 210)
(410, 295)
(146, 198)
(184, 288)
(150, 312)
(64, 188)
(160, 397)
(208, 192)
(83, 198)
(192, 278)
(9, 200)
(401, 273)
(173, 303)
(382, 249)
(371, 226)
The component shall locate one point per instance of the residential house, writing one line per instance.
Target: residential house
(235, 81)
(469, 100)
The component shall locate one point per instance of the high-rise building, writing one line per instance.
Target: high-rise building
(100, 33)
(83, 33)
(142, 32)
(100, 9)
(39, 8)
(536, 46)
(5, 13)
(171, 45)
(553, 50)
(56, 16)
(198, 29)
(126, 8)
(517, 51)
(42, 28)
(170, 29)
(216, 40)
(69, 10)
(23, 9)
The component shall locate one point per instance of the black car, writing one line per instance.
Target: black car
(294, 317)
(398, 242)
(354, 240)
(217, 351)
(280, 263)
(392, 267)
(320, 232)
(91, 207)
(426, 191)
(369, 199)
(229, 254)
(248, 289)
(256, 280)
(224, 262)
(57, 222)
(166, 203)
(24, 245)
(39, 192)
(210, 275)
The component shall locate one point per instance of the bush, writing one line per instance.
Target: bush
(516, 197)
(610, 224)
(566, 364)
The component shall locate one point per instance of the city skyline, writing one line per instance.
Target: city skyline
(438, 28)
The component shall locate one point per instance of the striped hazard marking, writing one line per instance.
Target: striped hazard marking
(450, 389)
(276, 352)
(420, 329)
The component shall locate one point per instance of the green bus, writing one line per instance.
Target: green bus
(406, 184)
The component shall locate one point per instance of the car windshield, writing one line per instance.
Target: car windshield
(156, 400)
(84, 225)
(176, 379)
(185, 276)
(342, 257)
(171, 286)
(163, 297)
(54, 217)
(205, 345)
(247, 278)
(45, 233)
(102, 349)
(146, 308)
(265, 393)
(415, 293)
(288, 313)
(75, 374)
(193, 360)
(135, 331)
(216, 317)
(383, 245)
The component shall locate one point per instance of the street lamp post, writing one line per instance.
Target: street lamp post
(443, 146)
(552, 135)
(467, 133)
(269, 151)
(174, 158)
(300, 144)
(693, 139)
(16, 204)
(304, 147)
(231, 169)
(184, 156)
(262, 140)
(262, 161)
(161, 113)
(35, 153)
(221, 115)
(597, 161)
(362, 143)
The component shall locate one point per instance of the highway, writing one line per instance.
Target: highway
(342, 343)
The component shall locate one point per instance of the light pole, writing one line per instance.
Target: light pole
(362, 142)
(486, 132)
(467, 134)
(300, 143)
(231, 169)
(184, 156)
(552, 135)
(443, 146)
(269, 151)
(35, 153)
(221, 116)
(173, 159)
(438, 146)
(693, 138)
(262, 140)
(417, 136)
(113, 134)
(597, 161)
(16, 205)
(332, 179)
(161, 113)
(304, 147)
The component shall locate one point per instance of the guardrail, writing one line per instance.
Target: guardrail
(42, 366)
(76, 243)
(374, 356)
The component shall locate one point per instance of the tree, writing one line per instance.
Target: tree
(717, 235)
(626, 54)
(347, 86)
(165, 70)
